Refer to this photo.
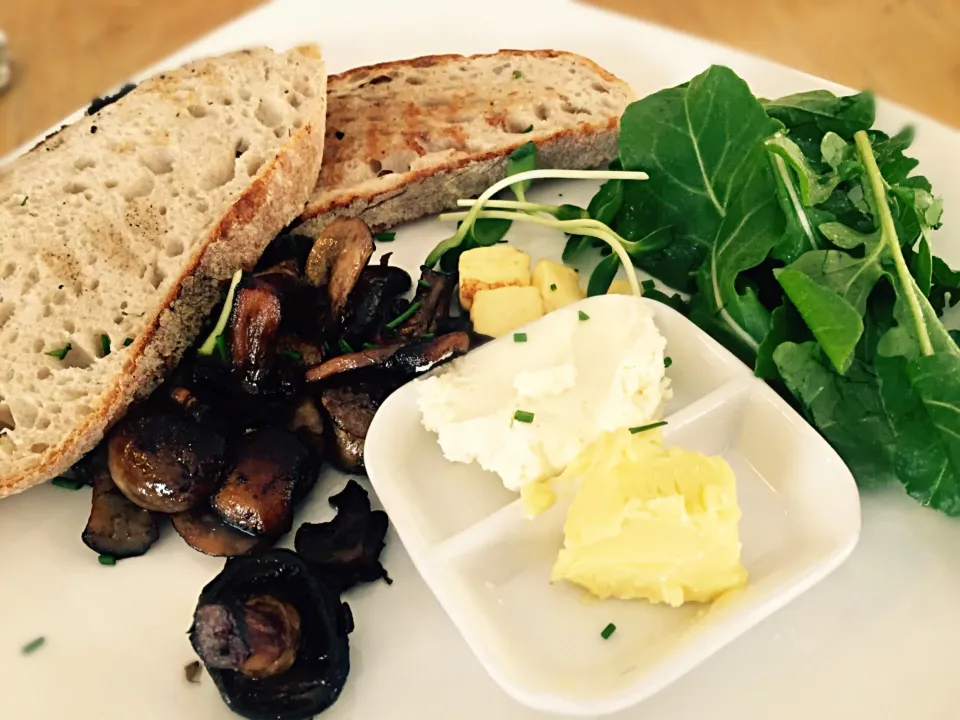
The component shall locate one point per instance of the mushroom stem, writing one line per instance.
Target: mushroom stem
(263, 642)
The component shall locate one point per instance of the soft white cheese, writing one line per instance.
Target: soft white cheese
(579, 378)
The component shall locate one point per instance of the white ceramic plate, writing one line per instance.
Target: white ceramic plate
(489, 566)
(878, 639)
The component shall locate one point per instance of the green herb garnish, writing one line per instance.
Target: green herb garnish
(345, 347)
(528, 129)
(385, 236)
(66, 483)
(424, 283)
(107, 560)
(523, 416)
(104, 345)
(582, 315)
(667, 361)
(127, 342)
(520, 337)
(293, 354)
(516, 75)
(61, 353)
(211, 343)
(221, 345)
(24, 201)
(429, 336)
(33, 645)
(553, 287)
(609, 630)
(644, 428)
(370, 346)
(404, 316)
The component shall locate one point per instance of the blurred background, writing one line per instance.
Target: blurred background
(67, 51)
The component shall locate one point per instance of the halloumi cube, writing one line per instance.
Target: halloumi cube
(502, 310)
(491, 267)
(559, 285)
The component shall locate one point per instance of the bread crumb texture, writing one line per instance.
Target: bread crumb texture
(117, 232)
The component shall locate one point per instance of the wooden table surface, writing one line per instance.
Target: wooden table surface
(906, 50)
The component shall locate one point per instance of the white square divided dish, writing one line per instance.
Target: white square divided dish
(489, 566)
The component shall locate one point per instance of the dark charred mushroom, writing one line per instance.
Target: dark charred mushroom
(337, 258)
(351, 410)
(116, 526)
(165, 462)
(252, 332)
(284, 277)
(307, 423)
(205, 532)
(272, 634)
(348, 547)
(286, 246)
(272, 466)
(369, 306)
(407, 360)
(296, 348)
(434, 295)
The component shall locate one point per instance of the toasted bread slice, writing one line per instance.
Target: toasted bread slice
(117, 232)
(409, 138)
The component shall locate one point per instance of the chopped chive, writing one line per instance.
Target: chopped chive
(523, 416)
(104, 345)
(107, 560)
(66, 483)
(370, 346)
(345, 346)
(191, 671)
(648, 284)
(582, 315)
(609, 630)
(61, 353)
(385, 236)
(127, 342)
(519, 337)
(516, 75)
(406, 315)
(293, 354)
(553, 287)
(429, 336)
(33, 645)
(644, 428)
(424, 283)
(667, 361)
(221, 345)
(27, 197)
(529, 129)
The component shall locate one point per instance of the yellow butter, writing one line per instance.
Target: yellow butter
(649, 522)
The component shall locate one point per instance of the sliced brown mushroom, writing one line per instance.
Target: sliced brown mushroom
(405, 359)
(204, 531)
(284, 277)
(351, 361)
(254, 323)
(116, 526)
(434, 295)
(337, 258)
(351, 410)
(258, 495)
(165, 462)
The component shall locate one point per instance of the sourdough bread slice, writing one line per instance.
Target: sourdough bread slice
(409, 138)
(118, 232)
